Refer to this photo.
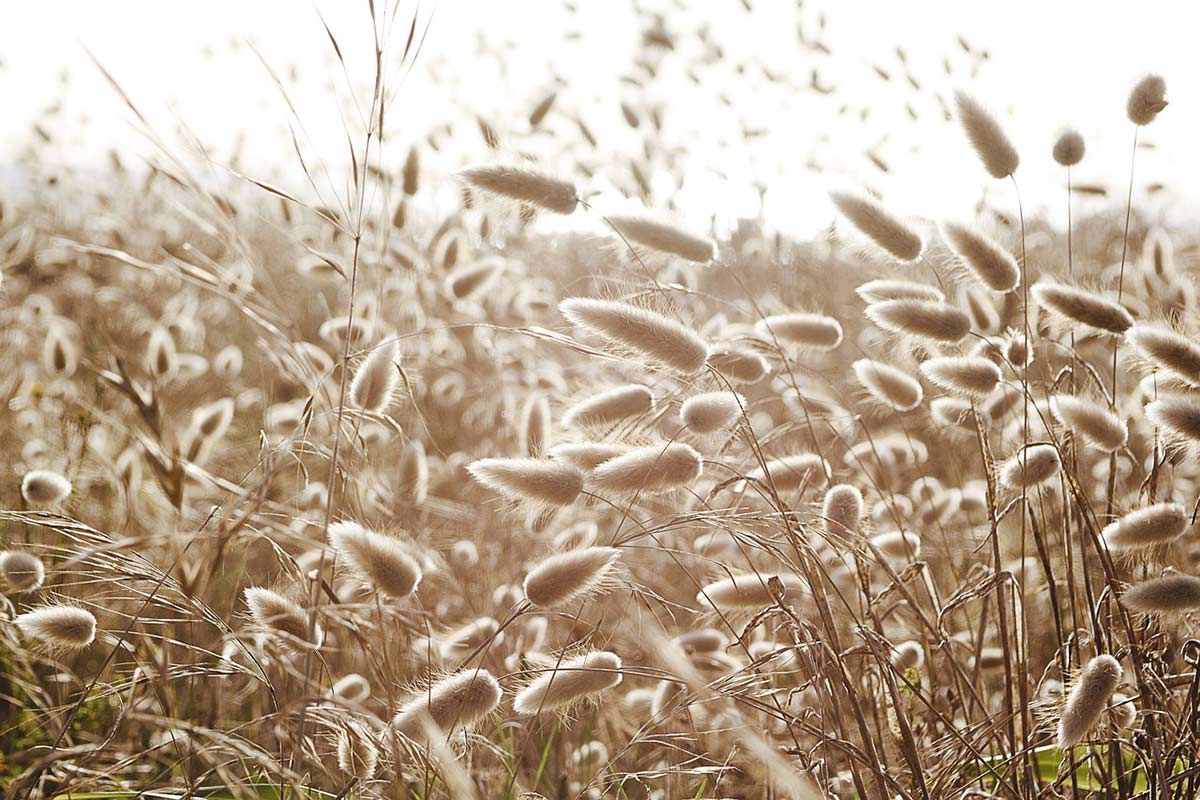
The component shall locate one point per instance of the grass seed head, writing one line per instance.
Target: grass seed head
(1154, 525)
(1088, 699)
(534, 480)
(524, 185)
(567, 577)
(888, 385)
(21, 571)
(1146, 100)
(379, 561)
(999, 157)
(921, 319)
(1093, 422)
(879, 225)
(1032, 466)
(58, 626)
(569, 682)
(455, 702)
(711, 412)
(1077, 305)
(1170, 594)
(640, 330)
(1069, 148)
(664, 238)
(44, 488)
(968, 376)
(991, 264)
(610, 406)
(817, 331)
(651, 469)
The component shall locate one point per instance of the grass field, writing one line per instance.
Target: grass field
(328, 486)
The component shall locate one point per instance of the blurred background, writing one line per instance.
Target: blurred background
(761, 105)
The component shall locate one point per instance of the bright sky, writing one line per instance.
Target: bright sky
(1051, 63)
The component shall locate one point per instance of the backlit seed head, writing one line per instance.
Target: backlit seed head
(379, 561)
(888, 385)
(58, 626)
(539, 481)
(1069, 148)
(21, 571)
(568, 577)
(1031, 466)
(1154, 525)
(711, 412)
(44, 488)
(1147, 99)
(1088, 699)
(986, 136)
(569, 682)
(457, 701)
(937, 322)
(640, 330)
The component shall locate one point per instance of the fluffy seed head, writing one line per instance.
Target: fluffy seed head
(921, 319)
(1148, 98)
(888, 385)
(570, 681)
(1069, 148)
(21, 571)
(986, 136)
(1095, 423)
(878, 291)
(1030, 467)
(375, 381)
(703, 640)
(750, 590)
(412, 474)
(1088, 699)
(897, 545)
(793, 472)
(534, 434)
(1167, 350)
(586, 456)
(357, 754)
(738, 366)
(526, 185)
(212, 420)
(664, 238)
(1179, 414)
(649, 470)
(60, 356)
(58, 626)
(468, 282)
(456, 701)
(842, 510)
(1080, 306)
(353, 688)
(275, 614)
(43, 487)
(379, 561)
(968, 376)
(1170, 594)
(567, 577)
(990, 263)
(879, 225)
(908, 655)
(610, 406)
(649, 334)
(711, 412)
(1147, 527)
(540, 481)
(811, 330)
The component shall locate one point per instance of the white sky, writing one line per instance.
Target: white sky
(1051, 64)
